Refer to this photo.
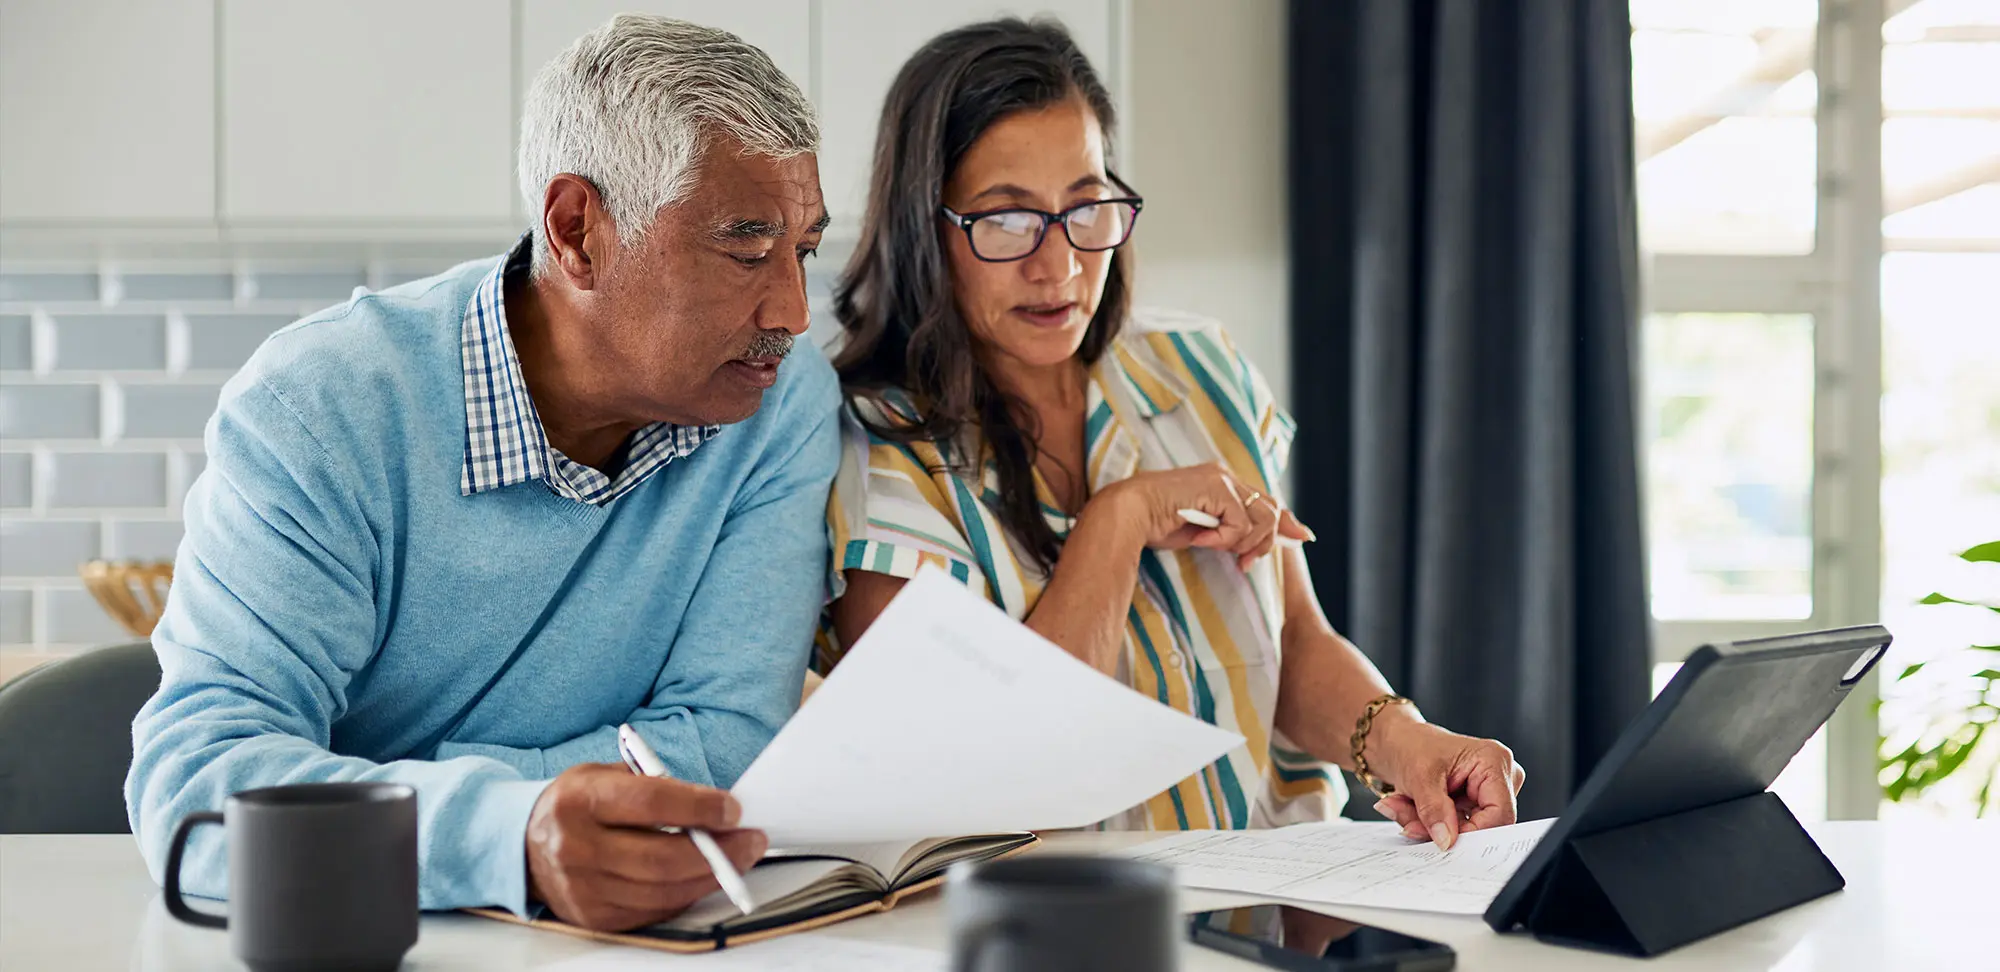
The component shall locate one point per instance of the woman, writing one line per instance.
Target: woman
(1012, 421)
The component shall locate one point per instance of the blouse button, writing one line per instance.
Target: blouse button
(1174, 659)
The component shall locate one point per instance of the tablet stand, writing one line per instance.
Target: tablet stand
(1647, 887)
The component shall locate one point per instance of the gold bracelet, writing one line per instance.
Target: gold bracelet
(1361, 727)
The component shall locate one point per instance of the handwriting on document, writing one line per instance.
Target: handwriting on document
(1364, 864)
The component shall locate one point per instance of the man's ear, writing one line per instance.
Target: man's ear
(579, 229)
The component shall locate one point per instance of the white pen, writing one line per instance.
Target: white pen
(641, 759)
(1208, 521)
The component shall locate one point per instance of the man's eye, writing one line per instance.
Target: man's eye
(750, 261)
(807, 251)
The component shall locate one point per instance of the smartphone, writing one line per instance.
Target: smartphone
(1284, 937)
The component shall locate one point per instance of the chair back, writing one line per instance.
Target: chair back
(66, 741)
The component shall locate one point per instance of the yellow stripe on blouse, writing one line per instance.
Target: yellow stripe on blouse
(1201, 635)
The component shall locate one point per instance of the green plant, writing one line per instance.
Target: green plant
(1958, 703)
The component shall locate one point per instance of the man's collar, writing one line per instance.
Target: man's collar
(504, 441)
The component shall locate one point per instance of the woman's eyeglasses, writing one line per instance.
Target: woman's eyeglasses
(1015, 233)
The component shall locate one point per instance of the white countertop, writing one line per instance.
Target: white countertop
(1919, 896)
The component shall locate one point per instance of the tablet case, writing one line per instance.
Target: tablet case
(1651, 886)
(1674, 836)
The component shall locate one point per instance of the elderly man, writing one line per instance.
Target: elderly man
(453, 533)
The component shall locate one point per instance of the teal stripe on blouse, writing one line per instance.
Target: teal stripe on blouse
(1295, 775)
(1232, 791)
(1093, 425)
(1224, 404)
(975, 534)
(1138, 629)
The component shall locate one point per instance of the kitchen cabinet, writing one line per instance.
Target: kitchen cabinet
(107, 111)
(367, 111)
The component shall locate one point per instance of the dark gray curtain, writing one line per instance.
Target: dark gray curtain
(1464, 280)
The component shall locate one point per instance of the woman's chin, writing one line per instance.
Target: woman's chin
(1041, 347)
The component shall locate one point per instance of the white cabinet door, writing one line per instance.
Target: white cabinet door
(107, 110)
(863, 43)
(367, 110)
(782, 28)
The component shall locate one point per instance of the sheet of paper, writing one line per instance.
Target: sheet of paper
(950, 718)
(792, 953)
(1368, 864)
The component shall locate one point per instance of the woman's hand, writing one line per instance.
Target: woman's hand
(1445, 782)
(1150, 504)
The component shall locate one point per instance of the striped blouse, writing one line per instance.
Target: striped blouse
(1201, 635)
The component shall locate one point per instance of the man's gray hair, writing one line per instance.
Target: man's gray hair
(632, 105)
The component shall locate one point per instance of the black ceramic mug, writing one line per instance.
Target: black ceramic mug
(1055, 913)
(321, 876)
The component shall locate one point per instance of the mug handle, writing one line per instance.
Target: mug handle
(983, 934)
(176, 905)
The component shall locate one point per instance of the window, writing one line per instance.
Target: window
(1819, 194)
(1729, 467)
(1716, 82)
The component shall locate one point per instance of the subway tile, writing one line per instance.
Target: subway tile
(17, 342)
(193, 463)
(111, 342)
(67, 411)
(317, 285)
(48, 286)
(17, 479)
(122, 479)
(178, 286)
(226, 340)
(142, 539)
(45, 548)
(17, 617)
(168, 411)
(75, 618)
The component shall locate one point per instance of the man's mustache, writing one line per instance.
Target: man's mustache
(769, 344)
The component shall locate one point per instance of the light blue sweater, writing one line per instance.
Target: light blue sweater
(337, 600)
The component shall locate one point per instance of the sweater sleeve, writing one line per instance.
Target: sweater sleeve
(737, 665)
(271, 614)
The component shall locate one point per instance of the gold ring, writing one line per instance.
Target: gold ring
(1252, 498)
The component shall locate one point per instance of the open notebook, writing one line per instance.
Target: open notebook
(806, 887)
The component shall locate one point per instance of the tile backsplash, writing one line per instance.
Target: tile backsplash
(108, 375)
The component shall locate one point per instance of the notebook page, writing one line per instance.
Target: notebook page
(883, 856)
(769, 883)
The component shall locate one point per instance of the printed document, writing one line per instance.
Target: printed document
(1367, 864)
(948, 718)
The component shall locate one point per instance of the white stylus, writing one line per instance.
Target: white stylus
(641, 759)
(1208, 521)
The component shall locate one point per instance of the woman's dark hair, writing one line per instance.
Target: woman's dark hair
(894, 300)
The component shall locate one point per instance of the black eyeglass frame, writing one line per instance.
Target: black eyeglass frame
(964, 222)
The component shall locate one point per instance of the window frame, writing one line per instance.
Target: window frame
(1839, 285)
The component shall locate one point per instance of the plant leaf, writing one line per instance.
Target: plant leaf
(1988, 552)
(1984, 647)
(1986, 673)
(1936, 598)
(1912, 670)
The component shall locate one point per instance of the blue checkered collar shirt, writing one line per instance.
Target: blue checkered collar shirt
(505, 443)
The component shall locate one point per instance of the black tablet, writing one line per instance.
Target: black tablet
(1722, 730)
